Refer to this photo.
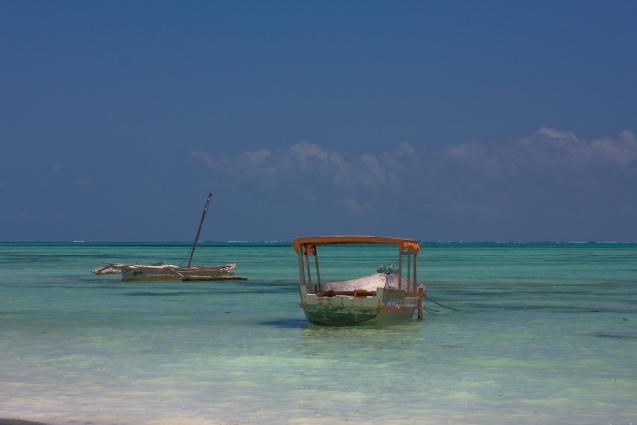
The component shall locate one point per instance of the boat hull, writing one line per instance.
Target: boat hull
(388, 306)
(141, 273)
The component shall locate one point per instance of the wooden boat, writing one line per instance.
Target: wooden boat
(168, 272)
(389, 296)
(160, 271)
(140, 272)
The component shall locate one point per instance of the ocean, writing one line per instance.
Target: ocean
(524, 333)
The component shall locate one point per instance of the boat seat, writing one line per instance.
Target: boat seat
(356, 293)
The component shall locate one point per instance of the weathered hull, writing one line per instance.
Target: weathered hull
(336, 316)
(174, 274)
(388, 306)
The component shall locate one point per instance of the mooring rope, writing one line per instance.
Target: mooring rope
(440, 304)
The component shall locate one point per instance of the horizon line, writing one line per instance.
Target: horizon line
(283, 241)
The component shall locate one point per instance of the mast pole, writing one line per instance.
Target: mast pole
(203, 217)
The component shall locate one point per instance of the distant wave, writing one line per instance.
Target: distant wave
(247, 241)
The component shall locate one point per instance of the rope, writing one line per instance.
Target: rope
(441, 305)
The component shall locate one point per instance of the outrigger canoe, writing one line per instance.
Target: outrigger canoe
(169, 272)
(133, 272)
(391, 295)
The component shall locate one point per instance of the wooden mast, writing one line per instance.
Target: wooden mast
(203, 217)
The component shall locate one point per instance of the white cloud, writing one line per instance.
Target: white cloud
(549, 167)
(202, 157)
(405, 149)
(376, 171)
(553, 134)
(258, 156)
(551, 146)
(621, 151)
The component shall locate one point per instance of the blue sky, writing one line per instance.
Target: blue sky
(435, 120)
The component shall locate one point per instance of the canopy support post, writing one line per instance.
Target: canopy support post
(301, 273)
(318, 273)
(421, 304)
(415, 276)
(400, 267)
(408, 270)
(307, 263)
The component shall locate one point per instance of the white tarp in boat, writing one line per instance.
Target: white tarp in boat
(368, 283)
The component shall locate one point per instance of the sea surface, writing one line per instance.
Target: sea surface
(530, 333)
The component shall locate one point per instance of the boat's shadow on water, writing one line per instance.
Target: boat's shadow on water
(310, 328)
(286, 324)
(9, 421)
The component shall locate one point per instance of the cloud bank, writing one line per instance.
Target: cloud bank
(551, 185)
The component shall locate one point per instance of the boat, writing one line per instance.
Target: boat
(391, 295)
(160, 271)
(169, 272)
(141, 272)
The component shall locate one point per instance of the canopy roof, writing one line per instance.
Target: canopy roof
(410, 244)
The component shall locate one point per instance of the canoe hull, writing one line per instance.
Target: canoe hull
(149, 273)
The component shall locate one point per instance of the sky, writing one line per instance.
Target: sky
(437, 120)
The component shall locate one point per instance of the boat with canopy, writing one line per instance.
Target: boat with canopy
(390, 295)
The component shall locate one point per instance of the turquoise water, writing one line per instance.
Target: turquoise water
(547, 334)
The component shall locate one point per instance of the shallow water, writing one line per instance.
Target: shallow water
(547, 333)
